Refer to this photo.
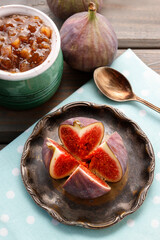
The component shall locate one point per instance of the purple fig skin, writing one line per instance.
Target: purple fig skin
(116, 145)
(47, 154)
(81, 184)
(88, 41)
(82, 120)
(63, 10)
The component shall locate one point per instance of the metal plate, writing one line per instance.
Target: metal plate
(125, 197)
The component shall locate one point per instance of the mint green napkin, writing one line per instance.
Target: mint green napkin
(21, 218)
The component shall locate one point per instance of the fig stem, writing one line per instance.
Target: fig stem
(92, 11)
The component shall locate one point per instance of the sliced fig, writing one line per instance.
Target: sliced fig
(57, 160)
(85, 185)
(117, 146)
(81, 136)
(109, 160)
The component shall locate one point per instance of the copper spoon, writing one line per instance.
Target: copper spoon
(115, 86)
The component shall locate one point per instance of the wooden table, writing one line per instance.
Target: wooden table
(136, 24)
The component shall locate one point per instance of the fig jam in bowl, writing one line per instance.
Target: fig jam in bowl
(31, 61)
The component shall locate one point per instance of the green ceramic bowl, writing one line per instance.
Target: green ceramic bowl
(31, 88)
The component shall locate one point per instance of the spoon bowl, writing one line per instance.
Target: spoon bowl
(116, 86)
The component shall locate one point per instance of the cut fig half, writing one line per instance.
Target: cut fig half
(85, 185)
(115, 143)
(57, 160)
(80, 136)
(109, 160)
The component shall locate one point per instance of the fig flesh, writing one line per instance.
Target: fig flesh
(109, 160)
(85, 185)
(81, 136)
(57, 160)
(63, 10)
(88, 40)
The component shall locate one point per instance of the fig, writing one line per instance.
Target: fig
(109, 160)
(63, 10)
(80, 136)
(85, 185)
(57, 160)
(115, 143)
(88, 40)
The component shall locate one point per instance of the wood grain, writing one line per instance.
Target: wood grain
(136, 23)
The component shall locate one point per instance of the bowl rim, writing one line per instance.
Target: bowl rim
(55, 46)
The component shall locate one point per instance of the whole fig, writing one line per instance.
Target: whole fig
(63, 10)
(88, 40)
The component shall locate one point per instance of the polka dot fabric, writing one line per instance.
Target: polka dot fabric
(21, 218)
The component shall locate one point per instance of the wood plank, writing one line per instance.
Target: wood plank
(2, 146)
(12, 123)
(136, 23)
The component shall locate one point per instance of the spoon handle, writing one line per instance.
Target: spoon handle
(148, 104)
